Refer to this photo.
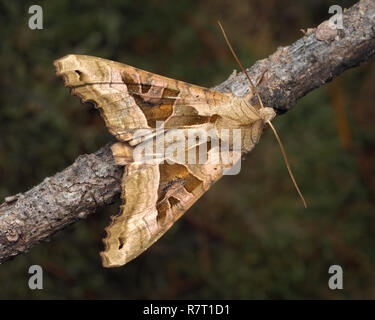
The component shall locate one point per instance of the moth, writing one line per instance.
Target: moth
(156, 194)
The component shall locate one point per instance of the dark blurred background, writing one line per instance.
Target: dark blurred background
(249, 236)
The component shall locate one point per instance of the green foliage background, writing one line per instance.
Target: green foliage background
(249, 236)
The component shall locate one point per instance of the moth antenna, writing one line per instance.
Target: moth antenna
(254, 90)
(287, 163)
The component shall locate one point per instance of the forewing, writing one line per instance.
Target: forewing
(156, 196)
(131, 99)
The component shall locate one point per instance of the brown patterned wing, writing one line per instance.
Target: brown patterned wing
(157, 195)
(131, 99)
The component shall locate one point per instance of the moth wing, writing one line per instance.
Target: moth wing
(131, 98)
(157, 195)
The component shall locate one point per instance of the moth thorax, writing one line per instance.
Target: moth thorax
(267, 114)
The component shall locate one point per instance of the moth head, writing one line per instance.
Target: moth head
(267, 114)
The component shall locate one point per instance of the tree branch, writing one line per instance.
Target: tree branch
(93, 180)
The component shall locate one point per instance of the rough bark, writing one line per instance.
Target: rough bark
(93, 180)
